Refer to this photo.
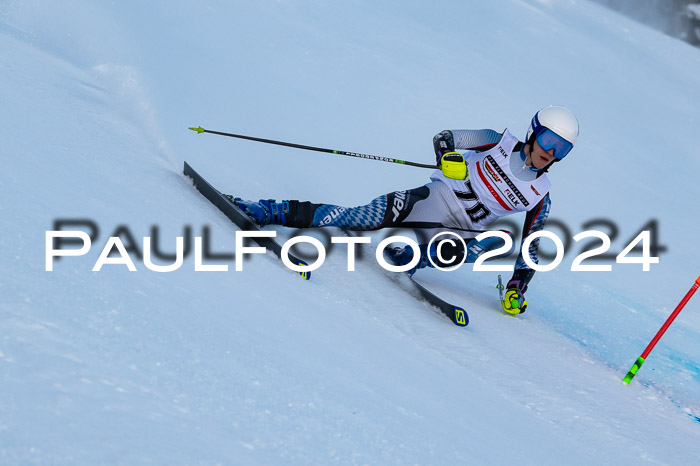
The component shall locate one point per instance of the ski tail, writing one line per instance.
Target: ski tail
(239, 218)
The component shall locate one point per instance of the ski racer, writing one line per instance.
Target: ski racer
(496, 176)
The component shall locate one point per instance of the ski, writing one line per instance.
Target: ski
(237, 216)
(456, 314)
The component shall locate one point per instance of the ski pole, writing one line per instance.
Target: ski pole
(200, 130)
(640, 360)
(500, 289)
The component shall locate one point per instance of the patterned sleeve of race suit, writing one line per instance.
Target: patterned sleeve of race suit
(464, 139)
(534, 221)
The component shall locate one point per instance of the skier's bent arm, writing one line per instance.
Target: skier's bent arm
(464, 139)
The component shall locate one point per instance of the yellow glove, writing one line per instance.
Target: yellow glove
(514, 302)
(453, 166)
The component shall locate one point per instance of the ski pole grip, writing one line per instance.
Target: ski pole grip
(633, 370)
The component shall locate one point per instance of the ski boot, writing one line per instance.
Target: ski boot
(265, 211)
(403, 255)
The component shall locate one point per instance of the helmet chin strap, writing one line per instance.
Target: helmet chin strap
(549, 165)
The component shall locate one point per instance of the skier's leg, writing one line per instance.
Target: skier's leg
(304, 214)
(476, 248)
(444, 253)
(388, 210)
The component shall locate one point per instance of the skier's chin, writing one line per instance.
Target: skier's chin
(540, 162)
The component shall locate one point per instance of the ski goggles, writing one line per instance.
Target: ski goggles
(548, 140)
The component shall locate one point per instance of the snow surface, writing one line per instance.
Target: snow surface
(260, 367)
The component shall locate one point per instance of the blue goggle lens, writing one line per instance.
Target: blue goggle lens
(548, 140)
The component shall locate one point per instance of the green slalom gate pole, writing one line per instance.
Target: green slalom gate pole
(201, 130)
(640, 360)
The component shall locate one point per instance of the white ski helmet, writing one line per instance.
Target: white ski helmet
(561, 122)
